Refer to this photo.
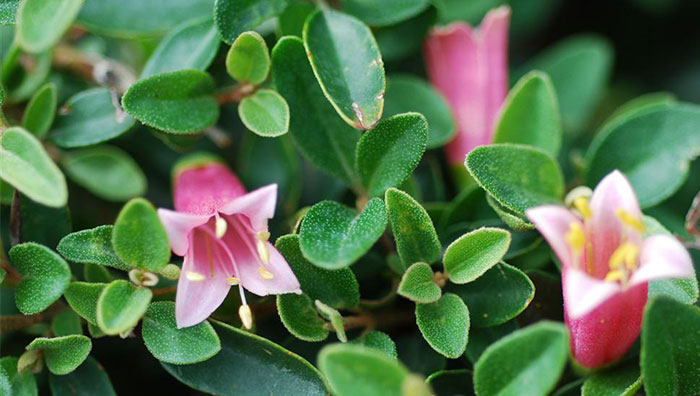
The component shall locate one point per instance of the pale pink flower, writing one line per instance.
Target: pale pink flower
(469, 66)
(607, 264)
(221, 231)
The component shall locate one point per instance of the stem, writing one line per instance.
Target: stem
(17, 322)
(164, 290)
(93, 67)
(236, 93)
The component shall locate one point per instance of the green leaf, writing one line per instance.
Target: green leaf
(92, 246)
(659, 144)
(406, 93)
(347, 63)
(670, 348)
(579, 67)
(139, 238)
(451, 382)
(26, 166)
(249, 365)
(538, 179)
(684, 290)
(403, 39)
(42, 224)
(13, 383)
(388, 154)
(40, 111)
(44, 277)
(190, 46)
(66, 323)
(133, 18)
(358, 370)
(335, 319)
(528, 362)
(96, 273)
(291, 20)
(265, 113)
(481, 337)
(300, 318)
(417, 284)
(120, 306)
(248, 60)
(337, 288)
(41, 23)
(89, 379)
(384, 12)
(88, 118)
(170, 344)
(234, 17)
(497, 296)
(324, 139)
(474, 253)
(176, 102)
(445, 325)
(19, 82)
(105, 171)
(414, 233)
(379, 341)
(624, 381)
(82, 298)
(530, 115)
(62, 354)
(334, 236)
(8, 10)
(515, 221)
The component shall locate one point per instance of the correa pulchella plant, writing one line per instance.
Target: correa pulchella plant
(455, 228)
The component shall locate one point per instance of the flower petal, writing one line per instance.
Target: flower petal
(258, 206)
(197, 299)
(662, 256)
(178, 226)
(553, 223)
(606, 231)
(201, 188)
(583, 293)
(283, 281)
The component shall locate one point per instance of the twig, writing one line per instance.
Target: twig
(235, 94)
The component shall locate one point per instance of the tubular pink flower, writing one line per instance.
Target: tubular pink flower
(469, 66)
(607, 264)
(221, 231)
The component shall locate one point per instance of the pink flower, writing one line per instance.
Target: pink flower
(470, 68)
(221, 231)
(606, 267)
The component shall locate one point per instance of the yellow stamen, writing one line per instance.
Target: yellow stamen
(576, 237)
(233, 281)
(627, 254)
(194, 276)
(263, 252)
(221, 227)
(246, 316)
(581, 204)
(614, 276)
(265, 274)
(629, 219)
(263, 236)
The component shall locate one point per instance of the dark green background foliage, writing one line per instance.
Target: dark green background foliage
(440, 286)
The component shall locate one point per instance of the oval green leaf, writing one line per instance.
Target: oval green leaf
(89, 379)
(528, 362)
(530, 115)
(624, 381)
(497, 296)
(44, 277)
(105, 171)
(62, 354)
(333, 236)
(347, 63)
(249, 365)
(26, 166)
(445, 325)
(538, 180)
(384, 12)
(41, 23)
(300, 318)
(176, 102)
(82, 298)
(13, 383)
(139, 238)
(474, 253)
(120, 306)
(234, 17)
(417, 284)
(265, 113)
(8, 12)
(248, 60)
(40, 111)
(169, 344)
(414, 233)
(66, 323)
(93, 246)
(379, 341)
(89, 117)
(388, 154)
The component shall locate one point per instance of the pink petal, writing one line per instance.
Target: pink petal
(204, 187)
(584, 293)
(604, 335)
(469, 67)
(258, 206)
(196, 300)
(178, 226)
(662, 256)
(553, 222)
(606, 230)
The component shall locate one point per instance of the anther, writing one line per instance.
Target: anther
(575, 237)
(613, 276)
(581, 204)
(265, 273)
(233, 281)
(263, 251)
(221, 226)
(246, 316)
(629, 219)
(194, 276)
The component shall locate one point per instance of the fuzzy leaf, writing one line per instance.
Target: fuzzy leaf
(234, 17)
(41, 23)
(379, 341)
(89, 379)
(417, 284)
(414, 233)
(92, 246)
(120, 306)
(265, 113)
(82, 298)
(248, 60)
(445, 325)
(44, 277)
(474, 253)
(40, 111)
(385, 12)
(139, 238)
(62, 354)
(299, 317)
